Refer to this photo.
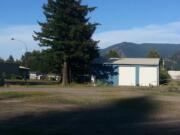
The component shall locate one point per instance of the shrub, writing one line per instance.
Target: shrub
(164, 76)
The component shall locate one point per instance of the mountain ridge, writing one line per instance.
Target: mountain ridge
(130, 49)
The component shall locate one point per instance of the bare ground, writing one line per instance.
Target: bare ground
(88, 111)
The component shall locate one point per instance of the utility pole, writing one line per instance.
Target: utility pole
(26, 50)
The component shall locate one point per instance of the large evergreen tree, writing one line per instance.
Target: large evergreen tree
(68, 33)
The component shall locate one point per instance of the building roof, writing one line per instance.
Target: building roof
(128, 61)
(25, 68)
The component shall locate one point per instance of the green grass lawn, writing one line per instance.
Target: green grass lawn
(89, 111)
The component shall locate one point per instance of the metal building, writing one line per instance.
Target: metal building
(127, 71)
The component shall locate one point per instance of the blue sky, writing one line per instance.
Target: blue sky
(121, 20)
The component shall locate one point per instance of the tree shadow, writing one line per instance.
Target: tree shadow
(121, 117)
(105, 73)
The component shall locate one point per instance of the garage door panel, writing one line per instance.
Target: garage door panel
(148, 76)
(127, 76)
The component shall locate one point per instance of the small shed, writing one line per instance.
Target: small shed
(127, 71)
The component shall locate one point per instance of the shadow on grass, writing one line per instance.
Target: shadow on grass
(117, 118)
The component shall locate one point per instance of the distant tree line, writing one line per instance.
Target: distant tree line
(10, 59)
(170, 63)
(37, 61)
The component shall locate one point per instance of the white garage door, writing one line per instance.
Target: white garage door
(148, 76)
(127, 76)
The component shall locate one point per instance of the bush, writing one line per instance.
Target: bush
(164, 76)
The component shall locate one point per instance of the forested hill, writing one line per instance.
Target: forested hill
(141, 50)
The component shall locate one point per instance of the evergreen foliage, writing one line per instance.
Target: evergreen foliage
(113, 54)
(10, 59)
(164, 76)
(174, 61)
(36, 61)
(153, 54)
(68, 33)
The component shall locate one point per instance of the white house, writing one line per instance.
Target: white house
(127, 71)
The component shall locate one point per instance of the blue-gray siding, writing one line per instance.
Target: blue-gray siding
(114, 78)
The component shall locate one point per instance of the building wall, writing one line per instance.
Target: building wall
(148, 76)
(128, 75)
(175, 75)
(138, 75)
(8, 69)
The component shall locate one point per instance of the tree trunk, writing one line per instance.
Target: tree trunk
(70, 74)
(65, 79)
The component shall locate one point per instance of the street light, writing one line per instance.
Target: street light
(26, 50)
(24, 43)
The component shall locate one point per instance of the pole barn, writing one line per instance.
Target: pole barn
(127, 71)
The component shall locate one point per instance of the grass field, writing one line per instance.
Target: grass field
(89, 111)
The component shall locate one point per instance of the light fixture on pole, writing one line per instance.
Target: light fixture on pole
(26, 50)
(22, 42)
